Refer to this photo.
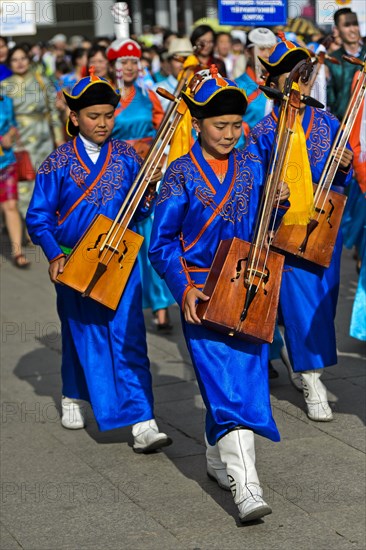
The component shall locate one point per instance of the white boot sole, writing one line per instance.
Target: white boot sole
(257, 513)
(154, 446)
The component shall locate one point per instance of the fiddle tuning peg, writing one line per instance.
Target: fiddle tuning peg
(311, 101)
(271, 92)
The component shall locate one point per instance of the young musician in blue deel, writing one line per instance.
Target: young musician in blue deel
(212, 193)
(104, 352)
(309, 292)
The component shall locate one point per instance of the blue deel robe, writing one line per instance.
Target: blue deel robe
(194, 213)
(309, 293)
(135, 122)
(104, 353)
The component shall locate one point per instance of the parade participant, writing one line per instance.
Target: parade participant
(309, 293)
(261, 42)
(209, 194)
(137, 117)
(38, 122)
(180, 47)
(340, 82)
(203, 41)
(104, 353)
(9, 182)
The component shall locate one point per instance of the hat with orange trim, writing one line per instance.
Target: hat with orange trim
(216, 96)
(91, 90)
(125, 48)
(283, 58)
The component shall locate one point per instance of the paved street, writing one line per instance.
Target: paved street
(82, 490)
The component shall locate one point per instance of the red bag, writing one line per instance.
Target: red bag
(25, 167)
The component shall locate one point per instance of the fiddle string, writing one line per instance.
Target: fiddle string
(344, 129)
(165, 125)
(107, 245)
(150, 169)
(341, 142)
(260, 241)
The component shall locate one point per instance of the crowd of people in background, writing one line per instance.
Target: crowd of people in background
(33, 76)
(211, 193)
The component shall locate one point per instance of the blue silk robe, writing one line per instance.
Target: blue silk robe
(309, 293)
(104, 354)
(188, 226)
(134, 123)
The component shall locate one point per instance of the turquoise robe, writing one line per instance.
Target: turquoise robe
(104, 353)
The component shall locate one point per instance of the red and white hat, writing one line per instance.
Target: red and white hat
(124, 49)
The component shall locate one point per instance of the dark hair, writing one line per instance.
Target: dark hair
(4, 39)
(11, 52)
(200, 31)
(98, 39)
(338, 13)
(62, 67)
(97, 49)
(77, 54)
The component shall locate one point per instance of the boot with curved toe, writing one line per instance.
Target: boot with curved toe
(147, 438)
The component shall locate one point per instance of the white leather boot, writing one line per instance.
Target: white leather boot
(315, 394)
(215, 468)
(238, 454)
(73, 413)
(147, 438)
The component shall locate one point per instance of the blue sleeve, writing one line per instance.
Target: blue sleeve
(166, 253)
(41, 218)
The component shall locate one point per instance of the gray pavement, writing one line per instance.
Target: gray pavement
(87, 490)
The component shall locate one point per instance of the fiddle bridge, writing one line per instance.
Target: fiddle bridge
(243, 300)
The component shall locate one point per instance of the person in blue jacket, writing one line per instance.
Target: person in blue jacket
(104, 352)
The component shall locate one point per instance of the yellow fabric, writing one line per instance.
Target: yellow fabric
(182, 138)
(297, 175)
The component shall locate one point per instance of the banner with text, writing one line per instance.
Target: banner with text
(257, 13)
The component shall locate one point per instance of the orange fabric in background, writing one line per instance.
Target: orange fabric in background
(354, 140)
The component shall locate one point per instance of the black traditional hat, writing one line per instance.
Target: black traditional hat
(283, 58)
(91, 90)
(216, 96)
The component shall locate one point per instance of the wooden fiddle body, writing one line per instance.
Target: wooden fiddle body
(314, 242)
(226, 284)
(87, 253)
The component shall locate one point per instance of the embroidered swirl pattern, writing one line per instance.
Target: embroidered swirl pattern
(174, 181)
(319, 139)
(57, 159)
(266, 126)
(237, 205)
